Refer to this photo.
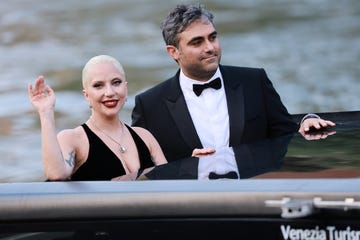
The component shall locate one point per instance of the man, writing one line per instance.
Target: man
(241, 106)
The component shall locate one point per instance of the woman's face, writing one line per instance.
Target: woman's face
(105, 88)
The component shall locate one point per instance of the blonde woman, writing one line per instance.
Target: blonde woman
(103, 147)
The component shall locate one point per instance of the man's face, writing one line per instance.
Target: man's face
(199, 52)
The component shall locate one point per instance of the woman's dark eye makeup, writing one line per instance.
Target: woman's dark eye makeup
(97, 85)
(115, 81)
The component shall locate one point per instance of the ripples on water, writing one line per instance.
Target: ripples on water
(310, 50)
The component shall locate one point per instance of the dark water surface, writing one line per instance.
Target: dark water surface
(310, 50)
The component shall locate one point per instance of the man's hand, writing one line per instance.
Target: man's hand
(316, 124)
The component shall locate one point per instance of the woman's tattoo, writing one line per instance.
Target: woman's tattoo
(71, 159)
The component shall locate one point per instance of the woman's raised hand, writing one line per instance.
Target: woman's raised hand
(41, 96)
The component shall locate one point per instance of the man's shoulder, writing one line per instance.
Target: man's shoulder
(239, 68)
(242, 72)
(164, 87)
(161, 88)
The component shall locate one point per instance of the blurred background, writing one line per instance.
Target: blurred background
(309, 49)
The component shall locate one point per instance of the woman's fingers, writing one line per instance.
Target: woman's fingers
(198, 152)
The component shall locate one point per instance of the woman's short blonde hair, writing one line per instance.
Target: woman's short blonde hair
(100, 59)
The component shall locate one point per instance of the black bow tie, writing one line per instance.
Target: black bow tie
(215, 84)
(230, 175)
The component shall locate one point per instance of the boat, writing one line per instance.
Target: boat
(290, 188)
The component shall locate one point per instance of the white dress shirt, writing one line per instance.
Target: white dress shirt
(210, 116)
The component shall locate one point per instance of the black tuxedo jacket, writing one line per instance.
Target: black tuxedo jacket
(255, 112)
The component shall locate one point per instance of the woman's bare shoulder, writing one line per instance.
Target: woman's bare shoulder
(76, 134)
(142, 132)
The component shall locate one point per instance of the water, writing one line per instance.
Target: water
(310, 50)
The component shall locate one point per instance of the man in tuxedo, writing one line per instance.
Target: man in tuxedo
(237, 105)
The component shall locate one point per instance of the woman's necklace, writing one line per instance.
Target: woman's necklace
(122, 148)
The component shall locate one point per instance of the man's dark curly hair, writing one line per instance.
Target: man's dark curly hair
(180, 18)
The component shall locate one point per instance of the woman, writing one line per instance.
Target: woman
(103, 147)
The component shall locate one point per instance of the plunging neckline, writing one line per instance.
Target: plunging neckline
(123, 163)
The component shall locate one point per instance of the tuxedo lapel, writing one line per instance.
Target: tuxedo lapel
(235, 102)
(179, 112)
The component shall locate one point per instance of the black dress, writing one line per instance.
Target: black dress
(103, 164)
